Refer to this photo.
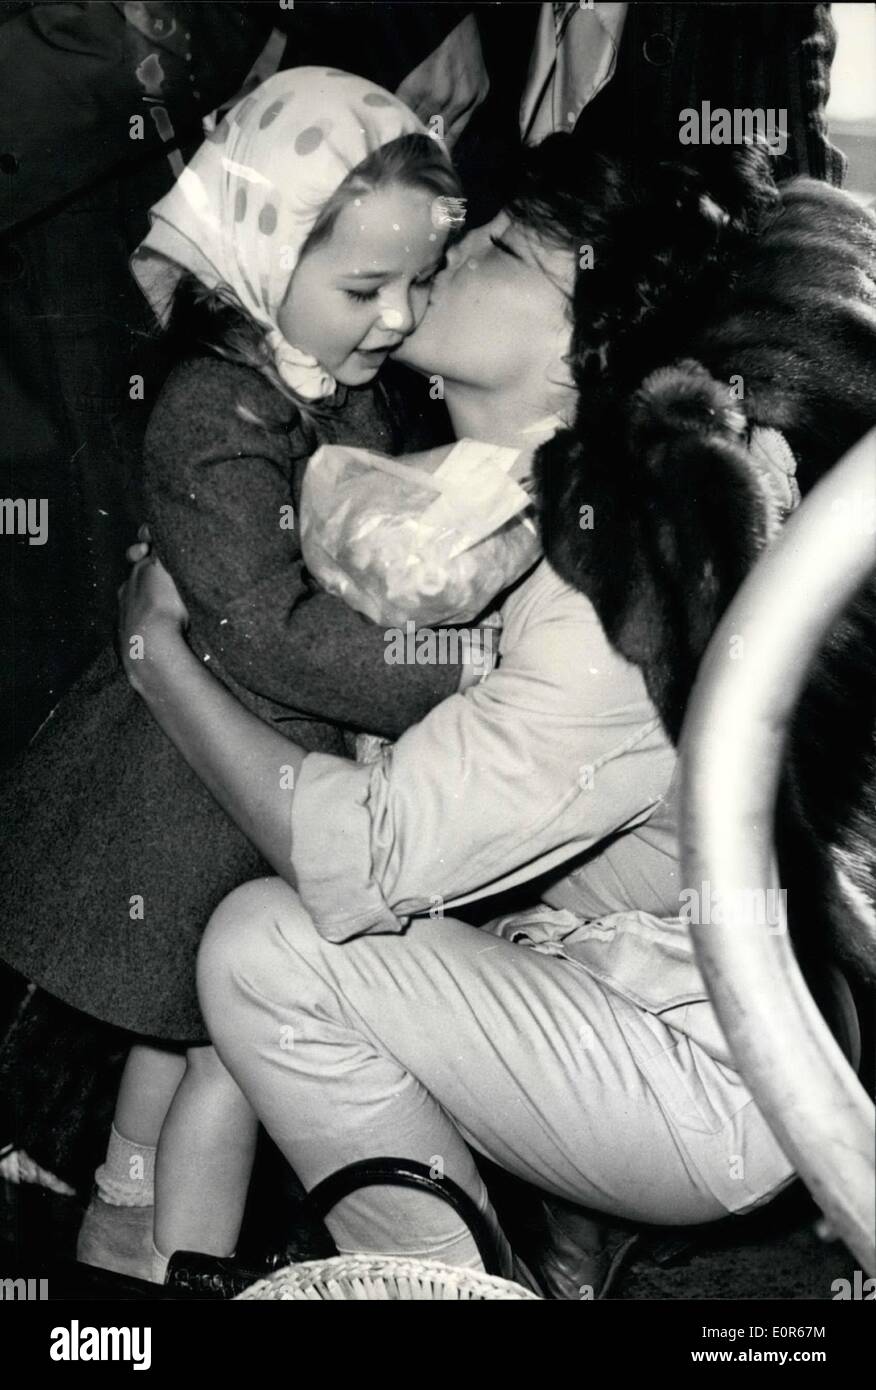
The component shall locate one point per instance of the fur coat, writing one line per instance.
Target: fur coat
(679, 516)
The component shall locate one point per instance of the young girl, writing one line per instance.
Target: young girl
(294, 252)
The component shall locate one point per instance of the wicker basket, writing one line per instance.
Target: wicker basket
(381, 1278)
(390, 1278)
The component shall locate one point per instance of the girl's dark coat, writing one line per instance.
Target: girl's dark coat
(113, 854)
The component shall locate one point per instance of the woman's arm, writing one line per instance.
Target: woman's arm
(556, 750)
(248, 766)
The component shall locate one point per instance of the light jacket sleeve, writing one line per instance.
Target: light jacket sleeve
(557, 750)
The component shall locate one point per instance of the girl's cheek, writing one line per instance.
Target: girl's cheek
(359, 320)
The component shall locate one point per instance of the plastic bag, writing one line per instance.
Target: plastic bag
(399, 543)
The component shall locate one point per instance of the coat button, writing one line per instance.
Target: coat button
(8, 163)
(657, 50)
(11, 264)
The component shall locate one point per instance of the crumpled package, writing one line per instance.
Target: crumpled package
(401, 543)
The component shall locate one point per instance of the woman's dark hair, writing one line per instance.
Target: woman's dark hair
(646, 233)
(706, 257)
(212, 320)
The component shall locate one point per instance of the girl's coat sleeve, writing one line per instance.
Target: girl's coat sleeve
(219, 489)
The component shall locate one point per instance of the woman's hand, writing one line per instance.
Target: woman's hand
(151, 616)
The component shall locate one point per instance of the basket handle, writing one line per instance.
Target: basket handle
(406, 1172)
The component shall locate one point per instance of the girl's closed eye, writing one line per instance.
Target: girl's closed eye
(362, 297)
(422, 282)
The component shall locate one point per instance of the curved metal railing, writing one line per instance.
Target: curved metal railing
(732, 750)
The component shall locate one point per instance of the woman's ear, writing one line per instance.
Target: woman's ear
(650, 508)
(555, 348)
(561, 372)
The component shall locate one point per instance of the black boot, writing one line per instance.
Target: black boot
(576, 1254)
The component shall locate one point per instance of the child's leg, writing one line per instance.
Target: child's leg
(148, 1086)
(204, 1162)
(116, 1232)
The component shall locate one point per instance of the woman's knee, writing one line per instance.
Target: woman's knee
(239, 936)
(232, 935)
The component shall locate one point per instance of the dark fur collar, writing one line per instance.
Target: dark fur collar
(677, 520)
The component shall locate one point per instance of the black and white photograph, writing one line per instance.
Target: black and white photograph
(437, 671)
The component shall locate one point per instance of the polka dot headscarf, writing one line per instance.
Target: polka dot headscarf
(241, 211)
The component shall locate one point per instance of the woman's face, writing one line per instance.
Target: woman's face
(498, 311)
(354, 297)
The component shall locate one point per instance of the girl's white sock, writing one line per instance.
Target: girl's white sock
(126, 1178)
